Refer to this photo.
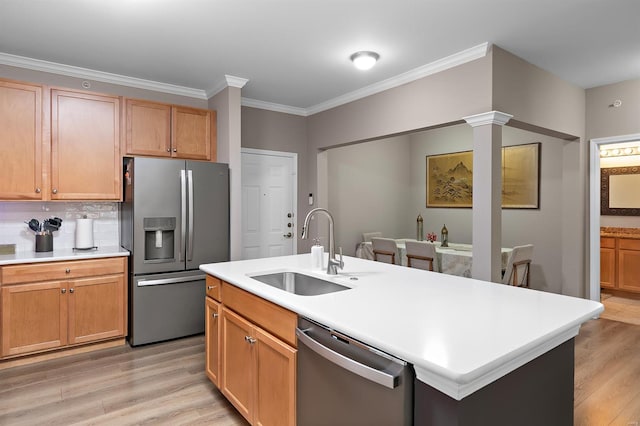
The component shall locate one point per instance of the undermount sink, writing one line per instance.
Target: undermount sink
(300, 284)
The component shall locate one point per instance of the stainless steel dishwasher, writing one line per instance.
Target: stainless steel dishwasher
(341, 381)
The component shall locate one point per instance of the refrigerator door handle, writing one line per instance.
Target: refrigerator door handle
(183, 218)
(190, 198)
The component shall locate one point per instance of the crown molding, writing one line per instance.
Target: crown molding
(492, 117)
(105, 77)
(233, 81)
(254, 103)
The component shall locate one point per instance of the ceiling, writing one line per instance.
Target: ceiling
(295, 53)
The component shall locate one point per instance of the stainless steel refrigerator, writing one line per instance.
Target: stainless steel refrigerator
(174, 217)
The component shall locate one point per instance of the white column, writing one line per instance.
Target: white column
(487, 194)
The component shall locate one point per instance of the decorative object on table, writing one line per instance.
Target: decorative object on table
(317, 254)
(44, 232)
(432, 237)
(84, 233)
(450, 178)
(616, 199)
(444, 236)
(419, 225)
(7, 249)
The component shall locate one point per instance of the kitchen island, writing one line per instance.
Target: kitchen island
(480, 350)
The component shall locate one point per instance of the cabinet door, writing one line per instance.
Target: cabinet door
(148, 128)
(191, 133)
(20, 141)
(85, 146)
(34, 317)
(607, 267)
(212, 340)
(96, 308)
(237, 363)
(629, 264)
(276, 381)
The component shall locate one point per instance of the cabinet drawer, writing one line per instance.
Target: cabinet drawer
(213, 287)
(607, 242)
(33, 272)
(628, 244)
(269, 316)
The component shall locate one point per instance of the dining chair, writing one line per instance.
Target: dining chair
(517, 271)
(367, 236)
(385, 250)
(421, 255)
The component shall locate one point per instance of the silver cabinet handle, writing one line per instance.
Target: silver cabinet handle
(144, 283)
(37, 190)
(214, 315)
(250, 339)
(63, 290)
(55, 191)
(175, 149)
(168, 150)
(71, 290)
(67, 271)
(382, 378)
(209, 287)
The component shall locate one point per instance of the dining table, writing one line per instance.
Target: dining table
(456, 259)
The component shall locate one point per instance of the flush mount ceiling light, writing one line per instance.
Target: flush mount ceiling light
(364, 60)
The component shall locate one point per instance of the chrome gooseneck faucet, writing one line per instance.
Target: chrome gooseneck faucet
(333, 264)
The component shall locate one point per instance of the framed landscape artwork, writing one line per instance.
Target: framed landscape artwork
(450, 178)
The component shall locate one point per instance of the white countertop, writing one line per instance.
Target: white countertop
(61, 254)
(460, 334)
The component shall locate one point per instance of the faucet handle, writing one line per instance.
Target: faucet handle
(341, 264)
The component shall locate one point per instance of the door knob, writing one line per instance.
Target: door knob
(289, 225)
(289, 214)
(288, 235)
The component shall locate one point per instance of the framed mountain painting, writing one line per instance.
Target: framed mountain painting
(450, 178)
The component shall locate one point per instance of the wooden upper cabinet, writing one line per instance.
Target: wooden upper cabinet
(21, 141)
(85, 146)
(191, 131)
(162, 130)
(148, 128)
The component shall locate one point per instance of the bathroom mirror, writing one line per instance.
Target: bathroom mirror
(620, 191)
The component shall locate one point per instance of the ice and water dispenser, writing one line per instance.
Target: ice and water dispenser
(158, 239)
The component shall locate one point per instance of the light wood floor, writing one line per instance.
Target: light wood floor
(165, 384)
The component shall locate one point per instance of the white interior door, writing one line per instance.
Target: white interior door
(268, 203)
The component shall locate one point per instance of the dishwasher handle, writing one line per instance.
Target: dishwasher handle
(380, 377)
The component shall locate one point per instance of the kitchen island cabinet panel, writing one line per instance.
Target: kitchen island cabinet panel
(237, 363)
(34, 317)
(85, 146)
(21, 147)
(212, 340)
(275, 381)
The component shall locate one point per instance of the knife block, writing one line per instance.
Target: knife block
(44, 242)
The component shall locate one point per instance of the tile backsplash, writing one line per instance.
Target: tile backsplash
(14, 230)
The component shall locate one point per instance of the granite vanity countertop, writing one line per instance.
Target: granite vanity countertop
(609, 231)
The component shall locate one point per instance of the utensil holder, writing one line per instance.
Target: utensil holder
(44, 242)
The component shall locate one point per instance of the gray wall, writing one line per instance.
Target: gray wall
(275, 131)
(369, 190)
(381, 186)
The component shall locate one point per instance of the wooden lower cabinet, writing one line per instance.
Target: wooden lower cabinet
(51, 314)
(258, 372)
(620, 265)
(34, 317)
(629, 264)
